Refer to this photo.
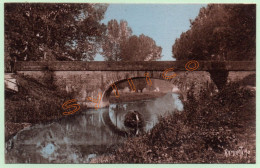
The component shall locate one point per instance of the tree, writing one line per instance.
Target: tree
(140, 84)
(116, 36)
(120, 45)
(142, 48)
(220, 32)
(54, 31)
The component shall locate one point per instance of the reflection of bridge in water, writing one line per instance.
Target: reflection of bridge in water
(88, 79)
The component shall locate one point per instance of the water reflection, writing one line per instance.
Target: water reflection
(78, 138)
(150, 109)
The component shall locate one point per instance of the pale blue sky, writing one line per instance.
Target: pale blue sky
(162, 22)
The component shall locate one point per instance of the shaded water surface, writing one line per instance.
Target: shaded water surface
(78, 138)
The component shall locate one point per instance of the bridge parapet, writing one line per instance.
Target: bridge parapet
(133, 66)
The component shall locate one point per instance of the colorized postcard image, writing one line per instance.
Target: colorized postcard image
(105, 83)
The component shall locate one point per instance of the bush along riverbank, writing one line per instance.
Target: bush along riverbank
(212, 129)
(34, 103)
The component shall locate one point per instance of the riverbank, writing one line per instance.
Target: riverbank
(34, 103)
(40, 103)
(212, 129)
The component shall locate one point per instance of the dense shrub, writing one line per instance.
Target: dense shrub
(34, 102)
(212, 129)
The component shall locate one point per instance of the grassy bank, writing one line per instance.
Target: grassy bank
(34, 103)
(211, 129)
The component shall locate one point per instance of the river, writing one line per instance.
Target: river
(78, 138)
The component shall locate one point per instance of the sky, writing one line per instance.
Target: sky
(162, 22)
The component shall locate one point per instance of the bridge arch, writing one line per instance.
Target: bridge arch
(116, 79)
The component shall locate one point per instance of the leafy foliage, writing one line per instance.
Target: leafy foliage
(53, 31)
(117, 35)
(120, 45)
(141, 48)
(204, 133)
(39, 103)
(221, 32)
(140, 84)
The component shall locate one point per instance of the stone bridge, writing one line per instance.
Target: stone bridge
(90, 79)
